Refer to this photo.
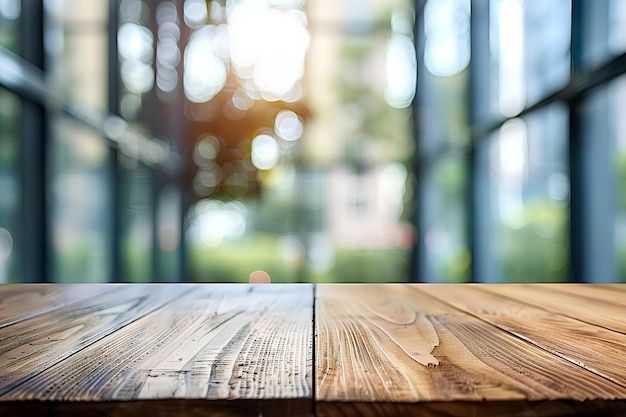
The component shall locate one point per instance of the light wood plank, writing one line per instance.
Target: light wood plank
(574, 303)
(20, 302)
(608, 293)
(33, 345)
(396, 344)
(591, 347)
(217, 342)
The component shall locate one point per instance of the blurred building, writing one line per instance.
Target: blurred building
(198, 140)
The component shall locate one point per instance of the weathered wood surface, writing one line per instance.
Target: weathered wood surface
(597, 349)
(249, 350)
(20, 302)
(419, 344)
(217, 342)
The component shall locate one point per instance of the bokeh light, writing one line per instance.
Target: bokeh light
(265, 152)
(196, 13)
(288, 125)
(10, 9)
(135, 49)
(447, 48)
(205, 73)
(215, 221)
(167, 52)
(268, 47)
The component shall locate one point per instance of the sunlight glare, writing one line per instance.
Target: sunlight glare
(268, 46)
(205, 73)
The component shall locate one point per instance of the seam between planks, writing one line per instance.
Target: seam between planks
(313, 358)
(518, 336)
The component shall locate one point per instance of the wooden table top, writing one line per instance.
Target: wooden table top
(313, 350)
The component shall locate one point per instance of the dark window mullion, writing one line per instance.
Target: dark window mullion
(114, 169)
(591, 224)
(479, 230)
(33, 131)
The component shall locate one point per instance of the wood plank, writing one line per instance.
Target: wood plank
(217, 342)
(395, 344)
(33, 345)
(591, 347)
(20, 302)
(574, 303)
(609, 293)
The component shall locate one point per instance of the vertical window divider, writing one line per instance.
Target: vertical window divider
(114, 168)
(34, 127)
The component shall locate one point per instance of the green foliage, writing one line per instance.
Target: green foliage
(233, 262)
(621, 181)
(9, 128)
(380, 265)
(537, 251)
(136, 265)
(458, 268)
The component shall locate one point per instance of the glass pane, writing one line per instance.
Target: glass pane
(228, 240)
(10, 213)
(442, 114)
(547, 39)
(137, 223)
(444, 211)
(617, 119)
(530, 48)
(600, 193)
(77, 45)
(168, 216)
(10, 11)
(530, 186)
(81, 195)
(302, 164)
(617, 26)
(136, 52)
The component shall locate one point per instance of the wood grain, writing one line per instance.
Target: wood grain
(20, 302)
(608, 293)
(371, 350)
(395, 343)
(218, 342)
(593, 348)
(601, 308)
(34, 345)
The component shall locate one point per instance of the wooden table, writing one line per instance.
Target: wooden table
(313, 350)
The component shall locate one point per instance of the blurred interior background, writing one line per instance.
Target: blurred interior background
(199, 140)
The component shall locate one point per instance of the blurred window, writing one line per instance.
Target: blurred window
(617, 27)
(10, 11)
(324, 142)
(136, 55)
(530, 48)
(10, 196)
(80, 204)
(446, 256)
(530, 197)
(617, 159)
(136, 234)
(168, 238)
(76, 42)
